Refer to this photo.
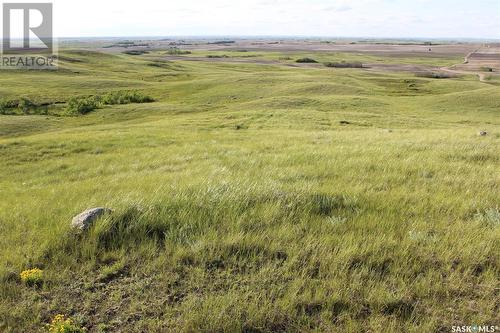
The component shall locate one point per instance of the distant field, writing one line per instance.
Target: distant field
(252, 197)
(322, 57)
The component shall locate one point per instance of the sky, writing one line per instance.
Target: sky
(322, 18)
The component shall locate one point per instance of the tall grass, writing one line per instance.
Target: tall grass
(250, 198)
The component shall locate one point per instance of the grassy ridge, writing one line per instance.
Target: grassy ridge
(252, 198)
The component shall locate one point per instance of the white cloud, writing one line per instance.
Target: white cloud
(384, 18)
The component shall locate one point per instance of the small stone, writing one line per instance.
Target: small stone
(84, 220)
(483, 133)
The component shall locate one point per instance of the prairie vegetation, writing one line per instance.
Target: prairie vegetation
(83, 105)
(177, 51)
(344, 64)
(248, 198)
(21, 105)
(306, 61)
(135, 52)
(74, 106)
(487, 69)
(217, 56)
(435, 75)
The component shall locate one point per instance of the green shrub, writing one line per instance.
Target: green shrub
(24, 105)
(135, 52)
(3, 106)
(486, 69)
(214, 56)
(306, 61)
(177, 51)
(435, 75)
(222, 42)
(159, 64)
(343, 64)
(125, 97)
(83, 105)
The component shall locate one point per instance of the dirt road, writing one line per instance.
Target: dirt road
(474, 61)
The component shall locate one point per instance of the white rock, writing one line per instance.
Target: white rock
(84, 220)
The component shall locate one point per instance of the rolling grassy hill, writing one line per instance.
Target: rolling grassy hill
(250, 198)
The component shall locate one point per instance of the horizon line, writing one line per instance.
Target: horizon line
(224, 36)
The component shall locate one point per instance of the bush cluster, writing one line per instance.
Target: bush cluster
(125, 97)
(3, 106)
(306, 61)
(344, 64)
(177, 51)
(223, 42)
(83, 105)
(135, 52)
(487, 69)
(435, 75)
(215, 56)
(23, 104)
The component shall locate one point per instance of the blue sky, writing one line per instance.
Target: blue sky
(368, 18)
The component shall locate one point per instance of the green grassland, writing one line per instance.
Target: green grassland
(323, 57)
(251, 198)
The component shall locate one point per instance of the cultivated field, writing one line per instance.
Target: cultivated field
(255, 193)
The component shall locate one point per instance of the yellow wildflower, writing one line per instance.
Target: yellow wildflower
(32, 276)
(61, 324)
